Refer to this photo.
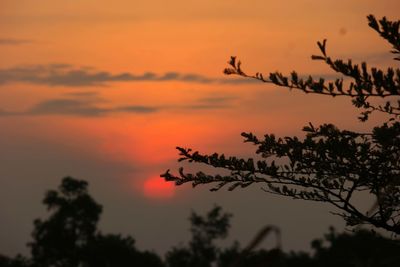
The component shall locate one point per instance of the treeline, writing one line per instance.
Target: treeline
(69, 238)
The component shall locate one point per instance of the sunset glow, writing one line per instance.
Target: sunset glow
(157, 188)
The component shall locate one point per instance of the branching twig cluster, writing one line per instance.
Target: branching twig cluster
(328, 165)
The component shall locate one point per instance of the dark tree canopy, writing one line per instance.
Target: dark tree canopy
(362, 248)
(70, 238)
(202, 250)
(117, 251)
(62, 238)
(329, 164)
(18, 261)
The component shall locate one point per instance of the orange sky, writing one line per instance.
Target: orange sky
(105, 90)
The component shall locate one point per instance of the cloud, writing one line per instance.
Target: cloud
(83, 94)
(91, 105)
(86, 108)
(237, 81)
(4, 113)
(79, 107)
(71, 76)
(68, 75)
(196, 78)
(137, 109)
(66, 107)
(214, 102)
(12, 41)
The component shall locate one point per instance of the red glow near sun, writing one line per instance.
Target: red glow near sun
(158, 188)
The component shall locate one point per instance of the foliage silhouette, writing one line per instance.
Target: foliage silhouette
(202, 251)
(246, 256)
(94, 249)
(18, 261)
(329, 165)
(114, 250)
(362, 248)
(62, 239)
(69, 237)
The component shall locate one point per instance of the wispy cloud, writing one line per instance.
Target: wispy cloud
(83, 94)
(86, 108)
(66, 107)
(215, 102)
(13, 41)
(70, 76)
(4, 113)
(79, 105)
(91, 105)
(67, 75)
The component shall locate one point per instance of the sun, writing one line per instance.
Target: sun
(158, 188)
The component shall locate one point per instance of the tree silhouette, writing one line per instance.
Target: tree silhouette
(328, 165)
(202, 251)
(18, 261)
(115, 250)
(70, 238)
(62, 239)
(362, 248)
(348, 249)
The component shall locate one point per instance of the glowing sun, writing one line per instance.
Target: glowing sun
(156, 187)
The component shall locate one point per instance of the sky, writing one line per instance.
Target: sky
(105, 90)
